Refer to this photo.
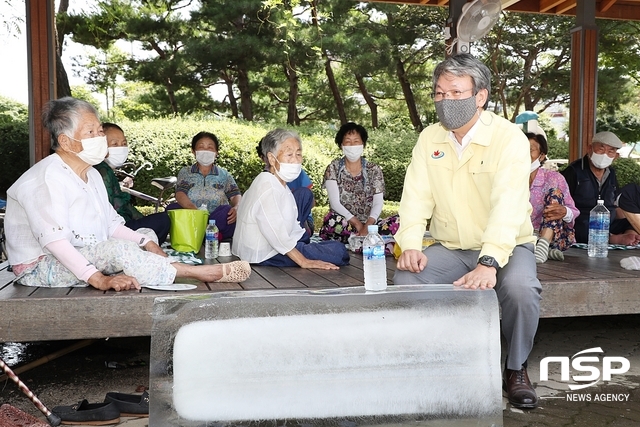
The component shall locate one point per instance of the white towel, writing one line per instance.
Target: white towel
(631, 263)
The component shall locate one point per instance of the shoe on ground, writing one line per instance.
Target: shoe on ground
(130, 405)
(90, 414)
(520, 392)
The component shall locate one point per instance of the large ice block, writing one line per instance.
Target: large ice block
(412, 353)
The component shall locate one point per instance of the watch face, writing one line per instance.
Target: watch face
(487, 260)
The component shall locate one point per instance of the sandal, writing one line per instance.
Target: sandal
(236, 271)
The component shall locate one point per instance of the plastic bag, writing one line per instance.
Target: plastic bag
(187, 229)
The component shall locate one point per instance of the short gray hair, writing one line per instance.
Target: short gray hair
(465, 64)
(62, 117)
(272, 141)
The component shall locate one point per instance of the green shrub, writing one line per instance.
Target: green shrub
(14, 146)
(627, 171)
(166, 143)
(391, 150)
(12, 111)
(558, 149)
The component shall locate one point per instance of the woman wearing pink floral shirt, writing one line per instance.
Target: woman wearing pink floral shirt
(554, 211)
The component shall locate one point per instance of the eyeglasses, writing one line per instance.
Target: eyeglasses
(454, 94)
(600, 148)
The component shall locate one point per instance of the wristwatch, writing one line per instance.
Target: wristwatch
(489, 261)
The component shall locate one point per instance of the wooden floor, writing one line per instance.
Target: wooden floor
(579, 286)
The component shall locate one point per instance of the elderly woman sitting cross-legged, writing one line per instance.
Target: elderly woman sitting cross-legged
(269, 216)
(61, 229)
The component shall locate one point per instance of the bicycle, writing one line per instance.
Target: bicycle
(163, 184)
(3, 243)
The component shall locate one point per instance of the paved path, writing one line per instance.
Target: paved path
(617, 336)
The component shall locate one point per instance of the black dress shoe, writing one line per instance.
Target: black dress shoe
(85, 413)
(520, 392)
(130, 405)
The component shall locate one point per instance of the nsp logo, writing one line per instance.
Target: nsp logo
(609, 367)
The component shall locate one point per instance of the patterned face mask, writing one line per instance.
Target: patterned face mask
(455, 113)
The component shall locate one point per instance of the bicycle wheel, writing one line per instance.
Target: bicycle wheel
(3, 243)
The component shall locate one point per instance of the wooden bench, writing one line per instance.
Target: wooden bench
(579, 286)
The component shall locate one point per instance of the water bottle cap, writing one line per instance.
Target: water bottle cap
(372, 228)
(212, 222)
(600, 202)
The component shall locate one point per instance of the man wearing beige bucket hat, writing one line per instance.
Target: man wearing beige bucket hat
(591, 178)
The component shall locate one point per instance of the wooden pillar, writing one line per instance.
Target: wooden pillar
(41, 57)
(455, 10)
(584, 79)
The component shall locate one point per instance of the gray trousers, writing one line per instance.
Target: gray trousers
(517, 288)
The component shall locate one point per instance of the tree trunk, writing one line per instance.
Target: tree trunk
(292, 109)
(408, 96)
(335, 91)
(245, 95)
(171, 93)
(369, 100)
(342, 114)
(228, 80)
(106, 97)
(62, 80)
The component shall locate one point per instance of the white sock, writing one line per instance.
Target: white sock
(542, 251)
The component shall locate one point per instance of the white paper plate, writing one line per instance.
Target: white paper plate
(172, 287)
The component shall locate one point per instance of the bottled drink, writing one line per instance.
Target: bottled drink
(374, 264)
(211, 240)
(599, 231)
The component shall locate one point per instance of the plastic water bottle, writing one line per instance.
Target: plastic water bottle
(373, 262)
(211, 240)
(599, 231)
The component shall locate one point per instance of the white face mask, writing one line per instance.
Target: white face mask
(535, 165)
(117, 156)
(205, 158)
(601, 161)
(288, 171)
(353, 152)
(94, 150)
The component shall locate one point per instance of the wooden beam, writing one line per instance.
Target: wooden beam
(549, 5)
(42, 72)
(606, 5)
(565, 6)
(507, 3)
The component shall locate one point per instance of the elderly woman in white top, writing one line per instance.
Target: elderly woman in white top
(268, 230)
(61, 229)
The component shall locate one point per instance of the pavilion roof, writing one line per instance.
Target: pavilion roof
(607, 9)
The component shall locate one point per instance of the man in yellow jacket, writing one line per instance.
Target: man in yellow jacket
(469, 176)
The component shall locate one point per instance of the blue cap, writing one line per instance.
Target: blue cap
(372, 228)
